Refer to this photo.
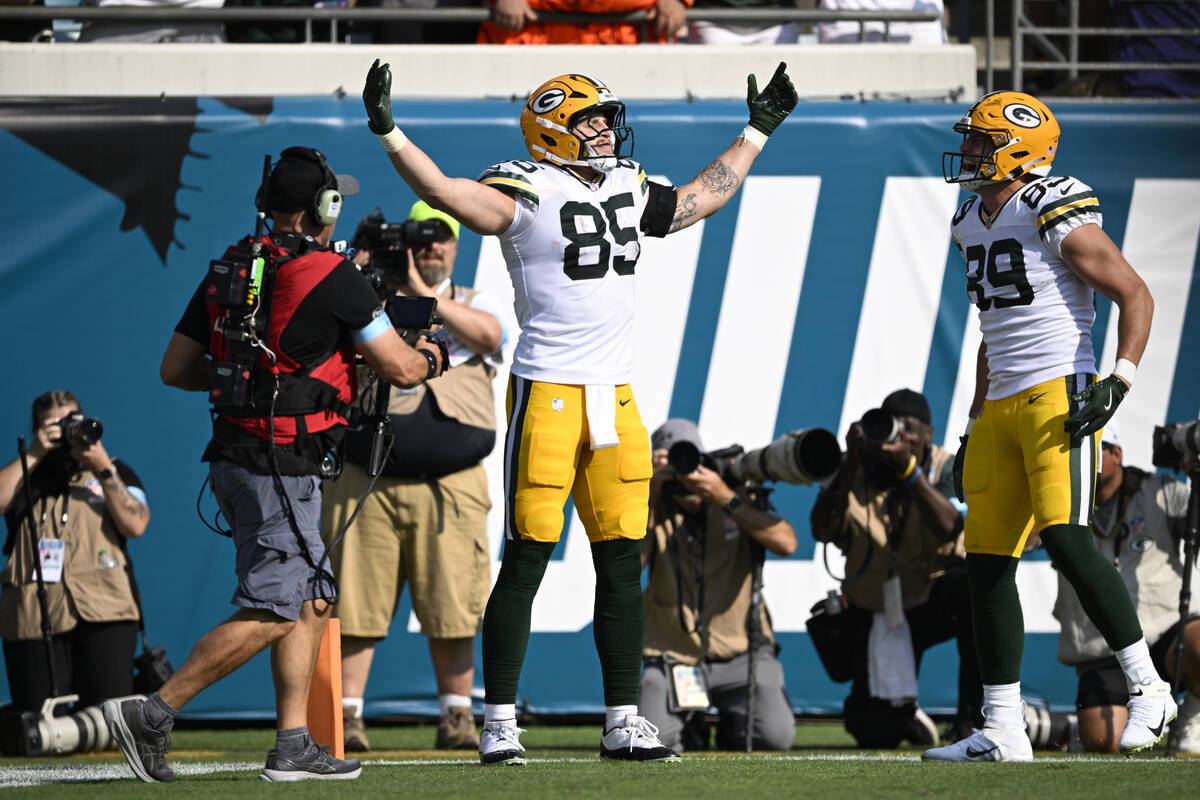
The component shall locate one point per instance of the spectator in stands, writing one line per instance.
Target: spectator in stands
(516, 22)
(702, 32)
(407, 32)
(847, 32)
(96, 30)
(1163, 49)
(33, 30)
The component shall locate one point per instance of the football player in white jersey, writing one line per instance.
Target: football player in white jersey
(1036, 254)
(571, 223)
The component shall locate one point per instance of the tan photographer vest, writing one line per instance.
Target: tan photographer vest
(697, 611)
(916, 554)
(94, 585)
(464, 392)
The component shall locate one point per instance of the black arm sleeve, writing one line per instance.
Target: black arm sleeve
(660, 210)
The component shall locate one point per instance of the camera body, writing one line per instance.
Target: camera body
(388, 243)
(801, 457)
(1176, 444)
(80, 431)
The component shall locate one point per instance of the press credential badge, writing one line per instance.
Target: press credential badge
(51, 552)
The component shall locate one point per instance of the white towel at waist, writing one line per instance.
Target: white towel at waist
(600, 403)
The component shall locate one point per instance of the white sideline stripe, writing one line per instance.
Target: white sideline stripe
(41, 776)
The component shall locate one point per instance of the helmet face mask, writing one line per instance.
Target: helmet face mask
(1023, 136)
(555, 113)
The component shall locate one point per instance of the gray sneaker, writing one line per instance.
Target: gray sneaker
(144, 747)
(312, 763)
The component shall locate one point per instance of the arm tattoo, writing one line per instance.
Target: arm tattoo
(686, 209)
(130, 503)
(718, 178)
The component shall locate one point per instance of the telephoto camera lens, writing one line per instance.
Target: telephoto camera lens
(880, 426)
(80, 431)
(799, 457)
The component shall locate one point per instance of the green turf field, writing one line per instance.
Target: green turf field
(224, 765)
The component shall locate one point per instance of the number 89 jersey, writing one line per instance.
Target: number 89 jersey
(1035, 313)
(571, 252)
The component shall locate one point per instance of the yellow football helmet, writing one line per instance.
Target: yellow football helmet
(557, 106)
(1024, 136)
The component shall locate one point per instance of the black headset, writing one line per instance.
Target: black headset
(326, 203)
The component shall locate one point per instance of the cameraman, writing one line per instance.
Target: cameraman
(1139, 523)
(85, 504)
(701, 544)
(889, 509)
(265, 458)
(425, 522)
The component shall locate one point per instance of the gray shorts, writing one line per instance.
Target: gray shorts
(274, 573)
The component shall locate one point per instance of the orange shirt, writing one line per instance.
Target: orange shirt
(577, 33)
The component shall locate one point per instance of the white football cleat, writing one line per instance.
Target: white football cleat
(989, 744)
(500, 745)
(636, 740)
(1151, 710)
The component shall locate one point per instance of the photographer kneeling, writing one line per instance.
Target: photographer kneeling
(702, 543)
(905, 586)
(85, 504)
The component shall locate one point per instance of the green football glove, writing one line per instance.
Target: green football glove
(377, 97)
(1100, 401)
(960, 459)
(773, 104)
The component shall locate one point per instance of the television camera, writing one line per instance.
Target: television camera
(388, 243)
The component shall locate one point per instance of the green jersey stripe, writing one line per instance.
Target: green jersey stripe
(1066, 215)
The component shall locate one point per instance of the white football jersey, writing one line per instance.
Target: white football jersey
(1035, 313)
(571, 251)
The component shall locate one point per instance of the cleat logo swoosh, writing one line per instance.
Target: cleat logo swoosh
(973, 753)
(1157, 731)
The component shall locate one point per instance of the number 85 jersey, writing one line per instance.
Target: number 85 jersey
(1035, 313)
(571, 252)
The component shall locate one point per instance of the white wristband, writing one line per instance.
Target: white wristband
(393, 140)
(755, 137)
(970, 424)
(1125, 369)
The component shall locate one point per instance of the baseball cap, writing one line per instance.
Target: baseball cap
(297, 177)
(422, 210)
(675, 430)
(907, 403)
(1111, 434)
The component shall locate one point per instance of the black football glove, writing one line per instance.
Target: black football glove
(1100, 401)
(960, 458)
(771, 106)
(377, 97)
